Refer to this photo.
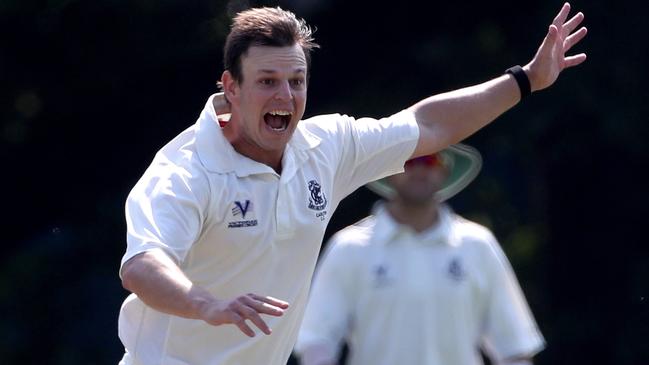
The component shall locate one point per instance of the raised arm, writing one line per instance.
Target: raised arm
(159, 283)
(450, 117)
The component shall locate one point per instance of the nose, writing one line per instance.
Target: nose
(284, 92)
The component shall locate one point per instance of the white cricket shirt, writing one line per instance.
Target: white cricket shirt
(234, 226)
(399, 297)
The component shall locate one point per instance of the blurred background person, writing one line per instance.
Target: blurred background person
(414, 283)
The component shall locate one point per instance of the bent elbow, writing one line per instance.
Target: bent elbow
(129, 274)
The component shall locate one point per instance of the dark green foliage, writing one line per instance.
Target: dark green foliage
(89, 90)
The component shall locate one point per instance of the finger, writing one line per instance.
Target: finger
(270, 300)
(572, 24)
(262, 307)
(251, 314)
(549, 41)
(270, 310)
(241, 323)
(574, 60)
(574, 39)
(562, 16)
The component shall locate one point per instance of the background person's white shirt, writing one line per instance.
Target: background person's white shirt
(234, 226)
(400, 297)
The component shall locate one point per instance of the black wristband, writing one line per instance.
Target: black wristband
(521, 79)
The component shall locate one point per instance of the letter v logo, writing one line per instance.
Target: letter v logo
(243, 208)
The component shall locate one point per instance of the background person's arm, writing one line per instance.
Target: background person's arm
(519, 360)
(329, 311)
(160, 283)
(450, 117)
(317, 354)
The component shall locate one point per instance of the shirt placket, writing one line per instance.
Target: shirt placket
(287, 200)
(284, 211)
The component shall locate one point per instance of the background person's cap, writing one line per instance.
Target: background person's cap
(465, 163)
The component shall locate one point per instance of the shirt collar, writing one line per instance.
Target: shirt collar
(387, 230)
(217, 154)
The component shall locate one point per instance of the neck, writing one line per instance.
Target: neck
(232, 132)
(419, 217)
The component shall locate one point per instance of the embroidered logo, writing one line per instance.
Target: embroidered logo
(381, 276)
(455, 270)
(317, 201)
(241, 209)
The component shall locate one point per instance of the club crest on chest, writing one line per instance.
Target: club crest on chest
(317, 199)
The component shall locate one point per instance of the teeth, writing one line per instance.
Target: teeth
(280, 112)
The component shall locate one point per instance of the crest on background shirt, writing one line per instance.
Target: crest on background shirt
(456, 270)
(317, 199)
(381, 276)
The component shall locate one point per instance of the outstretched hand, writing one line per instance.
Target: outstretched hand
(550, 58)
(245, 307)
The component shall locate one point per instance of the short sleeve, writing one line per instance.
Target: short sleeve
(164, 212)
(510, 328)
(328, 312)
(377, 148)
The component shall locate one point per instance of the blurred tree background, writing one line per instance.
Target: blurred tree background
(90, 90)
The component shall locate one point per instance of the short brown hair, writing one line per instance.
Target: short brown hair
(264, 27)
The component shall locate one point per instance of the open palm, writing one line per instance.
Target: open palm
(550, 58)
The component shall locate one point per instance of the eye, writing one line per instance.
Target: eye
(267, 82)
(297, 82)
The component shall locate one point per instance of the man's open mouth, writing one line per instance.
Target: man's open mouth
(278, 120)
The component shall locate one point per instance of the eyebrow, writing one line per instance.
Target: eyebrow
(269, 71)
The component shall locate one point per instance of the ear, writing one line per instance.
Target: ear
(230, 87)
